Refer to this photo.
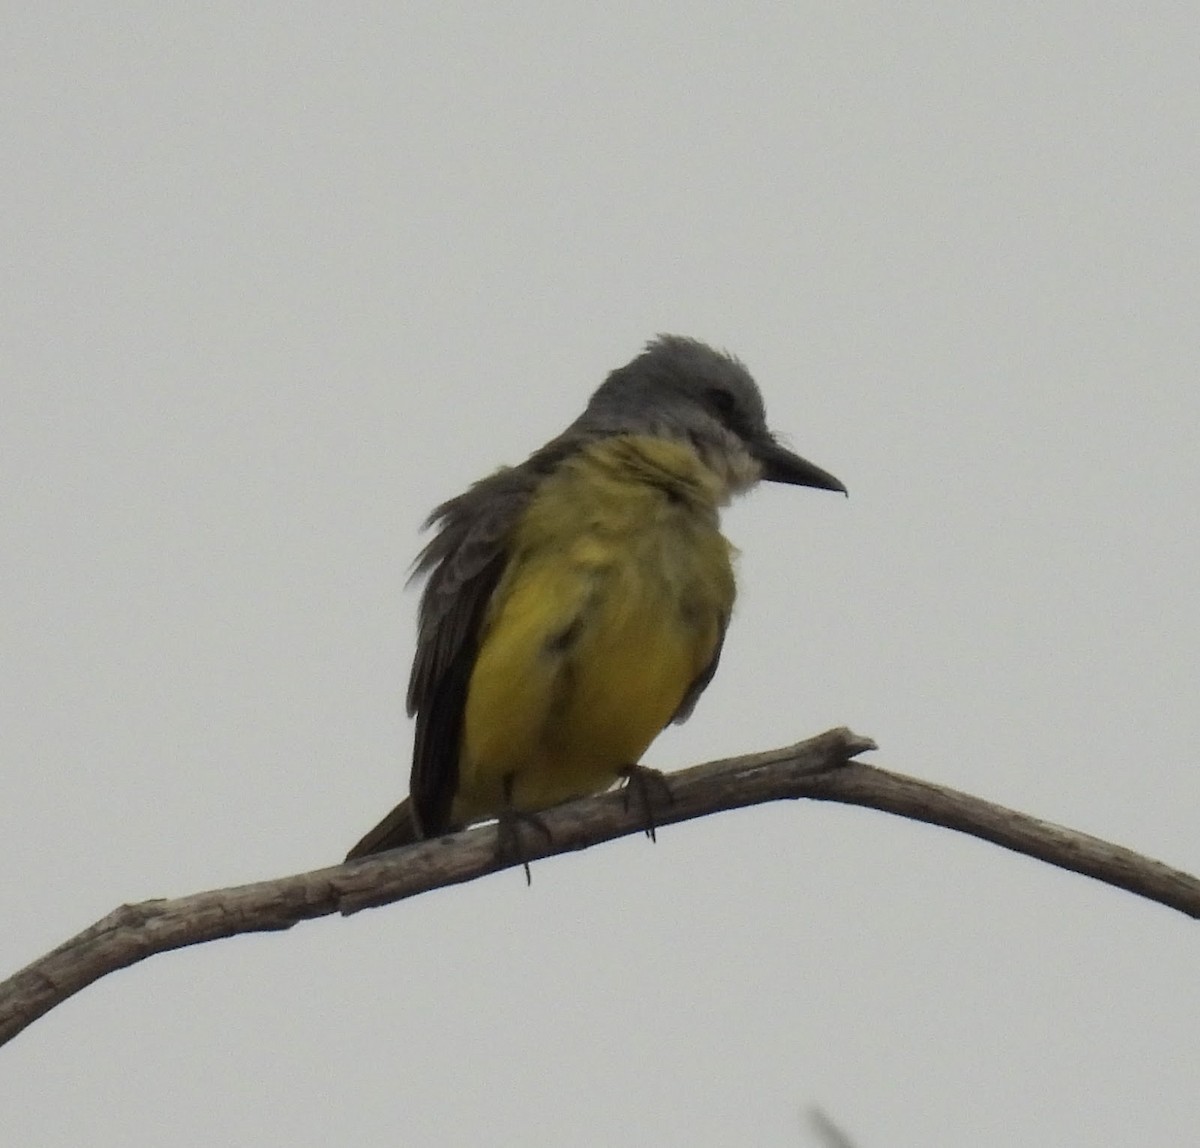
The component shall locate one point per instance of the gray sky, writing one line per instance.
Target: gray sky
(277, 278)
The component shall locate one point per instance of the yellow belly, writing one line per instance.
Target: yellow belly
(590, 646)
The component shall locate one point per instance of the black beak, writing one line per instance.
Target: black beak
(780, 465)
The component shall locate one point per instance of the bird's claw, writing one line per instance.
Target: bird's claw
(641, 779)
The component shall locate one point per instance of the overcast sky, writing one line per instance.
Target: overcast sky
(276, 278)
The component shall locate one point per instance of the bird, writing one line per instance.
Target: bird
(576, 604)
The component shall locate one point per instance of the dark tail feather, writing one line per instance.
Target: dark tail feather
(398, 828)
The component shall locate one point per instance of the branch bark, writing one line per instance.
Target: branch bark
(820, 768)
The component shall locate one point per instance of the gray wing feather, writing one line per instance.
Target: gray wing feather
(463, 563)
(700, 684)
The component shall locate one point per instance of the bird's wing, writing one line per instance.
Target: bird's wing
(463, 561)
(700, 683)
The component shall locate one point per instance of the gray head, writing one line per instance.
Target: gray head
(680, 388)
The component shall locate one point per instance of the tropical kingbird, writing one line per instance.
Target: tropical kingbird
(576, 604)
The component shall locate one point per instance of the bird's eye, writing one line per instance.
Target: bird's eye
(722, 402)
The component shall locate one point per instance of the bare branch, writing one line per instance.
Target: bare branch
(830, 1134)
(820, 768)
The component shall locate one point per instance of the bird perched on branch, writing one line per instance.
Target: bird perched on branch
(576, 604)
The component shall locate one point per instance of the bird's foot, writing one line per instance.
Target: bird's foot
(649, 784)
(509, 846)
